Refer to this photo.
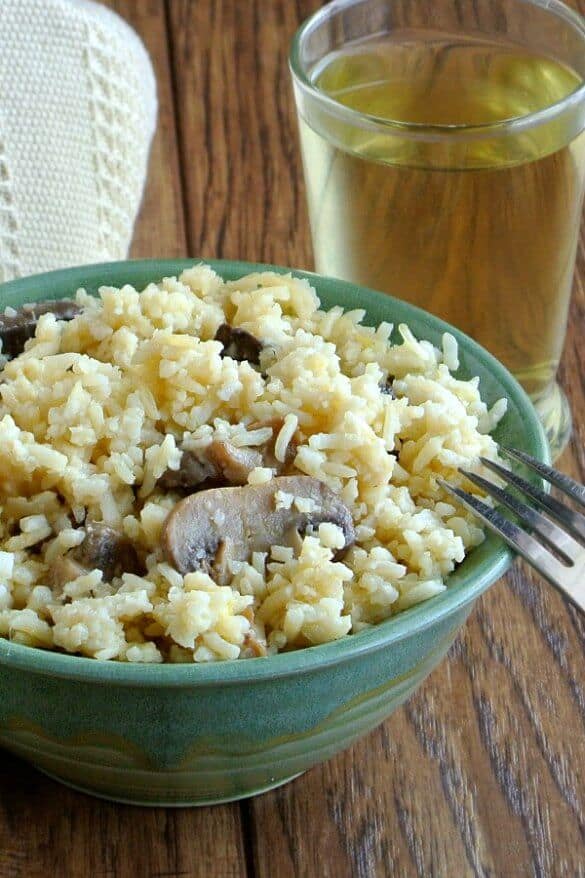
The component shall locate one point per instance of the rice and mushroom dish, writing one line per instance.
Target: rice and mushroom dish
(213, 470)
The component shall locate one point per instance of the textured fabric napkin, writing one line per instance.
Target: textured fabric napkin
(77, 115)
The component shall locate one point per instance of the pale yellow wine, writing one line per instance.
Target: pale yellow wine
(482, 233)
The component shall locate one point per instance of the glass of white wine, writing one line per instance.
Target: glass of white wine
(443, 147)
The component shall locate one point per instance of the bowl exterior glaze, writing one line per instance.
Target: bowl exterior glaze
(189, 734)
(161, 745)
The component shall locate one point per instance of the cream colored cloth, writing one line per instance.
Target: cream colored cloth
(77, 115)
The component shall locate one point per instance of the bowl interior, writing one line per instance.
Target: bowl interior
(519, 428)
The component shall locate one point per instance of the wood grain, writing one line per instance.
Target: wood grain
(48, 831)
(237, 130)
(482, 772)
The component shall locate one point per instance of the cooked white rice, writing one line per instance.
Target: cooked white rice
(93, 413)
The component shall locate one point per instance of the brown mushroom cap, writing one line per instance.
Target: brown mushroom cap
(16, 329)
(193, 470)
(219, 462)
(107, 550)
(232, 463)
(224, 463)
(63, 570)
(209, 529)
(239, 344)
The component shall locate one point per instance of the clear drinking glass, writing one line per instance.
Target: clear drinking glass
(444, 158)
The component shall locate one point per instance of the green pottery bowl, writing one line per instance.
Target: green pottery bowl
(200, 734)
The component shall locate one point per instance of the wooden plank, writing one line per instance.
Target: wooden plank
(160, 227)
(481, 773)
(242, 169)
(46, 829)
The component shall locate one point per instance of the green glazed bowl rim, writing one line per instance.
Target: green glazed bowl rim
(406, 624)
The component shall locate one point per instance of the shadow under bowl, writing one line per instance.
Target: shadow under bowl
(180, 735)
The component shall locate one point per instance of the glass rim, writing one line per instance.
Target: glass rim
(422, 130)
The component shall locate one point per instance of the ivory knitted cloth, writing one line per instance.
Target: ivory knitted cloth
(77, 115)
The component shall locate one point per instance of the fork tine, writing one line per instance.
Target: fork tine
(558, 539)
(573, 521)
(513, 535)
(568, 485)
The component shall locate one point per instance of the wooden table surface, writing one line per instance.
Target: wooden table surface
(481, 773)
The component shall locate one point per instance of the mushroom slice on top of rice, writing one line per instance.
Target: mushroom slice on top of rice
(210, 529)
(18, 326)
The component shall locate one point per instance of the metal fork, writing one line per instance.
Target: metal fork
(565, 569)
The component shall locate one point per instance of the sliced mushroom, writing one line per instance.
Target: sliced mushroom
(219, 463)
(16, 329)
(233, 464)
(224, 463)
(239, 344)
(63, 570)
(193, 471)
(107, 550)
(210, 529)
(269, 458)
